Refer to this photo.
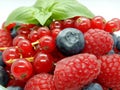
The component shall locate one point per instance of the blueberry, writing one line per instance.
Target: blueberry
(1, 60)
(118, 43)
(70, 41)
(13, 32)
(93, 86)
(14, 88)
(4, 77)
(111, 52)
(114, 39)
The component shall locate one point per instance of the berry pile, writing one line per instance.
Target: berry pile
(73, 54)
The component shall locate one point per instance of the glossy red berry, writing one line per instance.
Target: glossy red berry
(25, 47)
(98, 22)
(56, 24)
(9, 54)
(21, 69)
(17, 39)
(42, 31)
(43, 63)
(83, 24)
(117, 20)
(76, 17)
(68, 23)
(54, 33)
(111, 26)
(33, 36)
(47, 44)
(10, 26)
(24, 31)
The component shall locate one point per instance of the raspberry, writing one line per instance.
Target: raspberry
(72, 73)
(116, 88)
(42, 81)
(110, 71)
(5, 39)
(98, 42)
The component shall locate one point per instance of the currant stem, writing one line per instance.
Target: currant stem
(10, 61)
(3, 48)
(35, 43)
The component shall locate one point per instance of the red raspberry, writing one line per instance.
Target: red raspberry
(98, 42)
(110, 71)
(116, 88)
(105, 88)
(42, 81)
(72, 73)
(5, 39)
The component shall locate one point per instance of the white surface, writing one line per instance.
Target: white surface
(107, 8)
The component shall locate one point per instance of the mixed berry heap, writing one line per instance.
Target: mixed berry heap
(59, 45)
(71, 54)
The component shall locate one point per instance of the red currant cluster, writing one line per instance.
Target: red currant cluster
(34, 49)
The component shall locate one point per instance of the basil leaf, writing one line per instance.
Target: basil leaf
(44, 5)
(64, 9)
(42, 17)
(23, 15)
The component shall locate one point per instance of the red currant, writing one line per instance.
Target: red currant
(117, 20)
(28, 25)
(21, 69)
(47, 44)
(9, 54)
(56, 24)
(76, 17)
(55, 32)
(25, 47)
(33, 36)
(57, 55)
(10, 26)
(98, 22)
(42, 31)
(68, 23)
(14, 82)
(24, 31)
(83, 24)
(17, 39)
(43, 63)
(111, 26)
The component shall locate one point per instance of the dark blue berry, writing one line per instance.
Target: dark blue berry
(93, 86)
(14, 30)
(13, 33)
(111, 52)
(114, 39)
(4, 77)
(1, 60)
(14, 88)
(118, 43)
(70, 41)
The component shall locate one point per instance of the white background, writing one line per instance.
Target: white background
(107, 8)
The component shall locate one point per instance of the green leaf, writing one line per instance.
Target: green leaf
(23, 15)
(44, 5)
(42, 17)
(64, 9)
